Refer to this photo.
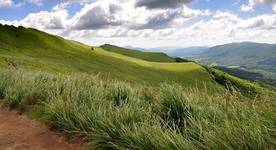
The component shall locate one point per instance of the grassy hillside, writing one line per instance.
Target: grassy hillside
(117, 115)
(242, 54)
(33, 49)
(148, 56)
(248, 75)
(244, 57)
(112, 114)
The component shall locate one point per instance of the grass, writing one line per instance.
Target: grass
(116, 115)
(148, 56)
(55, 54)
(81, 91)
(245, 87)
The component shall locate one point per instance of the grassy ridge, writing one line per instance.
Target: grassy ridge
(148, 56)
(116, 115)
(33, 49)
(30, 48)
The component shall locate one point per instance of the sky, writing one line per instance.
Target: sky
(147, 23)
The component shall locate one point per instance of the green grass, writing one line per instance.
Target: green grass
(83, 92)
(33, 49)
(116, 115)
(148, 56)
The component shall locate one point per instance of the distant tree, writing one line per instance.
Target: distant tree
(21, 27)
(178, 59)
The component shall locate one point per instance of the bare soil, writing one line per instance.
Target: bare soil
(18, 132)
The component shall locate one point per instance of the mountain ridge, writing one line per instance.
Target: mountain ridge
(259, 58)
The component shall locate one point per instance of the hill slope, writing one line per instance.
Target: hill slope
(118, 115)
(239, 54)
(243, 57)
(148, 56)
(30, 48)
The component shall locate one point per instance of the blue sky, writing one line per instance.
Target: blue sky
(17, 13)
(147, 23)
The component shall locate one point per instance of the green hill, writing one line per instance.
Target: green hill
(30, 48)
(240, 54)
(257, 58)
(108, 113)
(148, 56)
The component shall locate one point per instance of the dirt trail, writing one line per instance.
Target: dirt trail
(18, 132)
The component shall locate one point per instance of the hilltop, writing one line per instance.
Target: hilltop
(148, 56)
(29, 48)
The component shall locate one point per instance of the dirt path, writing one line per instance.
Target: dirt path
(18, 132)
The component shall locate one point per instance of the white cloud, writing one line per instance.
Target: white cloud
(6, 3)
(40, 2)
(120, 22)
(251, 4)
(36, 2)
(153, 4)
(9, 4)
(42, 20)
(107, 13)
(246, 8)
(97, 15)
(265, 22)
(47, 20)
(223, 27)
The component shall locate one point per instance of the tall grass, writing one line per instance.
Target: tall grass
(117, 115)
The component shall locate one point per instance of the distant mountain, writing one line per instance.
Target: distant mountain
(174, 51)
(245, 56)
(187, 51)
(239, 54)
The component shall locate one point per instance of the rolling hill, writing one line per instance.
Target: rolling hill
(81, 90)
(148, 56)
(29, 48)
(238, 58)
(241, 54)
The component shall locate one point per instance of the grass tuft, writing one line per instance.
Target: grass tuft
(117, 115)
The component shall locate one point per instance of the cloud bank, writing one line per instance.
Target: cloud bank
(251, 4)
(140, 23)
(153, 4)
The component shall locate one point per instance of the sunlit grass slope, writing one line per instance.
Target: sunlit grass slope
(148, 56)
(112, 114)
(33, 49)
